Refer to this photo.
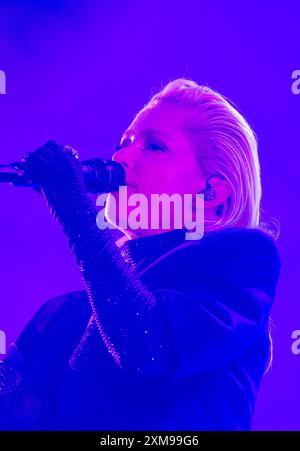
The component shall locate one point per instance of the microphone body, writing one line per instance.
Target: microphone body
(100, 175)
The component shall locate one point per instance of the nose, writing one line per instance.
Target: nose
(119, 158)
(126, 156)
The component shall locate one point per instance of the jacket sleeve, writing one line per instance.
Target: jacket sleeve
(124, 311)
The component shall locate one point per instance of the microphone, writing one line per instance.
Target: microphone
(100, 175)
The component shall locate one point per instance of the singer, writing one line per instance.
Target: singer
(169, 334)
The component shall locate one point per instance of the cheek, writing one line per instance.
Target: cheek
(169, 177)
(180, 181)
(153, 179)
(188, 178)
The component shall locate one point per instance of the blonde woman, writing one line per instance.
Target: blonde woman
(170, 334)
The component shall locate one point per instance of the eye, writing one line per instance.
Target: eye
(151, 144)
(155, 146)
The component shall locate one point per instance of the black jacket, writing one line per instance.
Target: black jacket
(214, 298)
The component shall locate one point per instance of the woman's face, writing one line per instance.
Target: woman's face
(158, 158)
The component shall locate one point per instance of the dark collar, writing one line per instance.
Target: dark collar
(151, 247)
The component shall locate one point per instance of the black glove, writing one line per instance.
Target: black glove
(58, 172)
(55, 167)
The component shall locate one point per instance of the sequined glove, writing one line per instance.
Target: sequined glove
(125, 312)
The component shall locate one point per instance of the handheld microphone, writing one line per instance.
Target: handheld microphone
(100, 175)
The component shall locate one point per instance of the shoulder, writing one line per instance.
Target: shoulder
(240, 244)
(223, 245)
(233, 242)
(236, 256)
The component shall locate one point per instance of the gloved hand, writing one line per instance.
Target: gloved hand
(58, 172)
(55, 167)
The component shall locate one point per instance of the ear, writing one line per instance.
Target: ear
(222, 191)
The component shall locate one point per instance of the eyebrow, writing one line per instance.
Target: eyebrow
(149, 131)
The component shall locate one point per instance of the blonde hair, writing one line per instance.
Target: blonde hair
(228, 149)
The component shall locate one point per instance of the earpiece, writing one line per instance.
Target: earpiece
(209, 192)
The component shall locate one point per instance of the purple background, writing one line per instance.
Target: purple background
(78, 72)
